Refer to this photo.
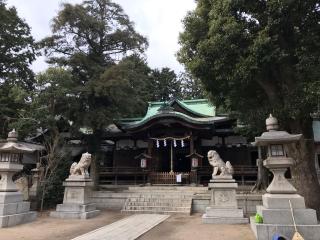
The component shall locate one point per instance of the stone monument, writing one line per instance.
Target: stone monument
(275, 211)
(13, 210)
(76, 202)
(223, 207)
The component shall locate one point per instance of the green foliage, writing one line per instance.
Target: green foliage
(191, 88)
(17, 51)
(256, 57)
(54, 189)
(164, 85)
(89, 39)
(127, 85)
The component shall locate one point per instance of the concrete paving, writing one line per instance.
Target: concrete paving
(129, 228)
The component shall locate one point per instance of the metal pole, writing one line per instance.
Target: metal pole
(171, 158)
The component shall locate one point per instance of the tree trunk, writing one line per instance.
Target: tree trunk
(303, 172)
(94, 142)
(262, 178)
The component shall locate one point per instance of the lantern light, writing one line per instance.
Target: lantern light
(143, 163)
(195, 162)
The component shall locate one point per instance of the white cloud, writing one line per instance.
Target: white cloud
(158, 20)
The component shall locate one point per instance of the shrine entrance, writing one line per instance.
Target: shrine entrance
(171, 154)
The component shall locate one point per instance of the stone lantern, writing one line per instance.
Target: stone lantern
(275, 211)
(277, 161)
(13, 210)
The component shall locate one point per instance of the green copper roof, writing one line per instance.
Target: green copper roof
(199, 107)
(198, 111)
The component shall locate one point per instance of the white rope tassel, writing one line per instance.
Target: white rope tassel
(182, 143)
(165, 142)
(174, 143)
(158, 144)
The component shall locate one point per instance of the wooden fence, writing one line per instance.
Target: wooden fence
(170, 177)
(202, 175)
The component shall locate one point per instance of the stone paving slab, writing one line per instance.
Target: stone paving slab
(129, 228)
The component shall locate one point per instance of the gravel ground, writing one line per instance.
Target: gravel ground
(174, 228)
(179, 227)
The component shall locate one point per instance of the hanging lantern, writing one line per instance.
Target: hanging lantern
(182, 143)
(174, 142)
(195, 162)
(158, 144)
(165, 142)
(143, 163)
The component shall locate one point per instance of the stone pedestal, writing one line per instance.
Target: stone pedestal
(76, 202)
(223, 207)
(277, 218)
(13, 210)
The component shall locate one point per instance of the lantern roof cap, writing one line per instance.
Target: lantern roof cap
(279, 137)
(194, 154)
(272, 123)
(142, 155)
(12, 144)
(273, 136)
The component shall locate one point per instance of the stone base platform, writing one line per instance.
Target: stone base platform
(75, 211)
(223, 220)
(13, 210)
(16, 219)
(224, 216)
(266, 231)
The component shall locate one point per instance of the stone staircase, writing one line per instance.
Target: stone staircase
(160, 200)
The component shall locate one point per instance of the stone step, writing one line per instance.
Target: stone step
(168, 188)
(154, 212)
(146, 199)
(164, 204)
(75, 215)
(162, 208)
(162, 196)
(72, 207)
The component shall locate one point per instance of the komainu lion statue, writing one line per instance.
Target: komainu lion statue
(81, 168)
(219, 165)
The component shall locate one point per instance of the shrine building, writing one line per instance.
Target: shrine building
(170, 143)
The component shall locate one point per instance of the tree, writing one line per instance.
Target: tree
(17, 51)
(128, 86)
(89, 38)
(51, 108)
(191, 88)
(257, 57)
(164, 85)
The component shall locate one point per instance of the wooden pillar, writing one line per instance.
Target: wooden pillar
(191, 147)
(191, 144)
(150, 146)
(171, 157)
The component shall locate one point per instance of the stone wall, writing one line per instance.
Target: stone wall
(115, 201)
(247, 202)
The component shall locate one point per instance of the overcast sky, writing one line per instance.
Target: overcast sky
(158, 20)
